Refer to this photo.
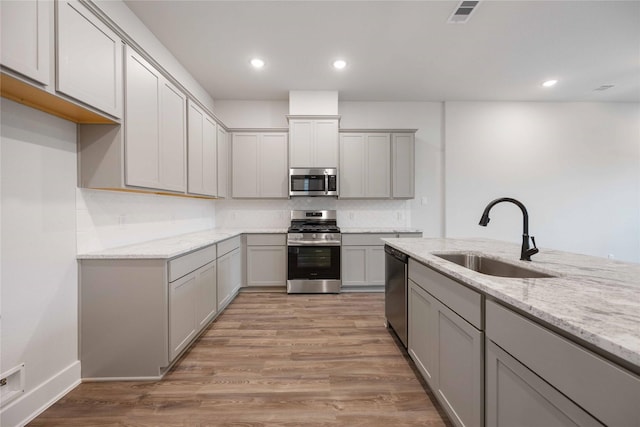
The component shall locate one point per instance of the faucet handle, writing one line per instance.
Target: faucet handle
(533, 250)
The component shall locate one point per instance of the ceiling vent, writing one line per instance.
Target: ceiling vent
(603, 87)
(463, 12)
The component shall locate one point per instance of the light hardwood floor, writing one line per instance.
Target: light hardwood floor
(272, 359)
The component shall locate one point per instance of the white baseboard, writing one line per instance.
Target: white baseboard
(36, 401)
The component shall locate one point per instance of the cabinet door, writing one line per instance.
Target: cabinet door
(202, 152)
(518, 397)
(459, 367)
(142, 127)
(266, 265)
(354, 265)
(206, 301)
(89, 61)
(378, 167)
(326, 143)
(375, 265)
(195, 142)
(302, 143)
(24, 37)
(210, 157)
(224, 280)
(422, 311)
(236, 270)
(173, 137)
(352, 166)
(182, 319)
(273, 173)
(403, 165)
(223, 162)
(244, 170)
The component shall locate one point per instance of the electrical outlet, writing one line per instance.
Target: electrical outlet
(611, 256)
(424, 201)
(351, 215)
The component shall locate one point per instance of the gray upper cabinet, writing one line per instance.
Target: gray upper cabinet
(155, 128)
(223, 162)
(25, 34)
(313, 142)
(202, 152)
(259, 165)
(403, 165)
(89, 58)
(365, 165)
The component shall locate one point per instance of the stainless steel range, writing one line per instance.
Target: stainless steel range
(313, 244)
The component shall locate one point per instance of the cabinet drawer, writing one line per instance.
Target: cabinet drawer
(466, 302)
(266, 239)
(605, 390)
(366, 239)
(184, 265)
(228, 245)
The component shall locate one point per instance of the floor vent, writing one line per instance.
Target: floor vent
(463, 12)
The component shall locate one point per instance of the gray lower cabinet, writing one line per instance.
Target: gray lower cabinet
(362, 266)
(138, 315)
(447, 347)
(552, 380)
(266, 260)
(515, 396)
(363, 260)
(229, 271)
(421, 311)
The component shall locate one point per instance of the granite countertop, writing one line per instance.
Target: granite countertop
(594, 299)
(171, 247)
(358, 230)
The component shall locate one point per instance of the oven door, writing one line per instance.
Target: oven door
(314, 269)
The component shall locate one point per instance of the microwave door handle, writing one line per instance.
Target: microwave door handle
(326, 183)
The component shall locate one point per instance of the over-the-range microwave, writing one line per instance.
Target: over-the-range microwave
(313, 182)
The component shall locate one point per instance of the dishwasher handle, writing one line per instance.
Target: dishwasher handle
(400, 256)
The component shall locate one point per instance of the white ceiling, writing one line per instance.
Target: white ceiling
(404, 50)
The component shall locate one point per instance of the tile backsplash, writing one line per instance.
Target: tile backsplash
(276, 213)
(107, 219)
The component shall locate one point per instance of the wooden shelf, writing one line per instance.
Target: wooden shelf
(24, 93)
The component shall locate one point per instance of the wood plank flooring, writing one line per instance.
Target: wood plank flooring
(272, 359)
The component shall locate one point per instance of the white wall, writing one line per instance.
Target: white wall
(108, 219)
(576, 167)
(252, 114)
(39, 297)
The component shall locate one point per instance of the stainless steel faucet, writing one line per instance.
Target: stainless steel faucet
(526, 251)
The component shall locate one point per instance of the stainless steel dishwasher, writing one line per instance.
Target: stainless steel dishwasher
(395, 292)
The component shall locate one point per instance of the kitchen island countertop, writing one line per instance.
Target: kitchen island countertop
(593, 299)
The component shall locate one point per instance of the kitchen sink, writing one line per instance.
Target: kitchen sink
(492, 267)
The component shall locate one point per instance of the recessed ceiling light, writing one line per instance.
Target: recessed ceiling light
(339, 64)
(549, 83)
(257, 63)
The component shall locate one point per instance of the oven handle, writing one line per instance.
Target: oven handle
(313, 243)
